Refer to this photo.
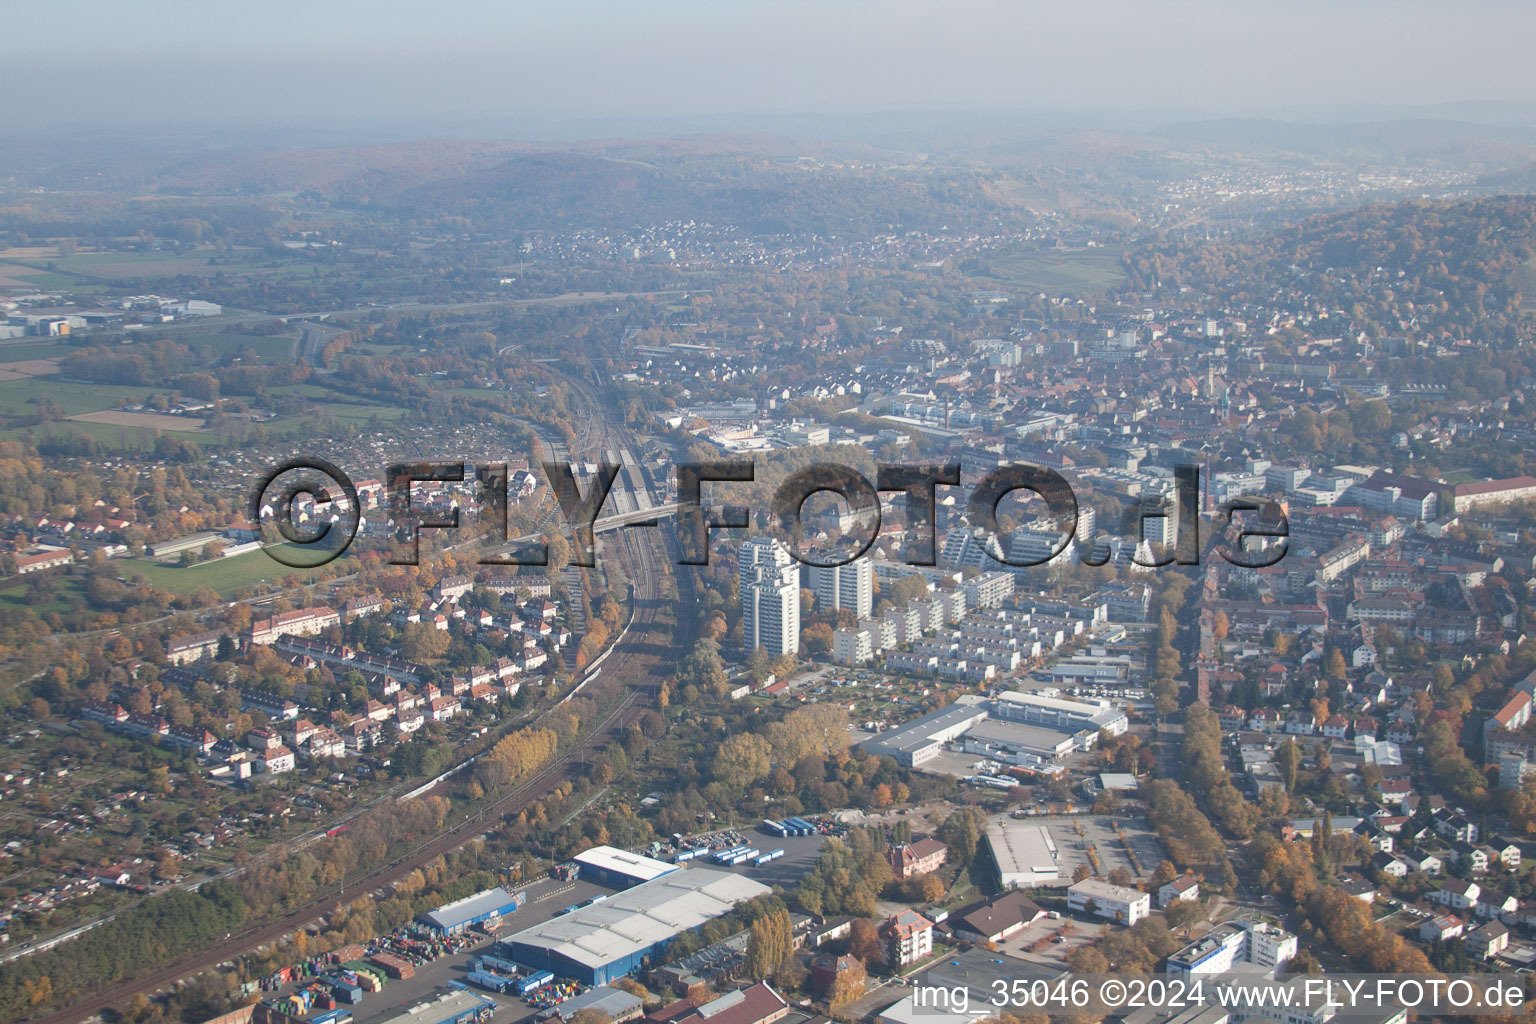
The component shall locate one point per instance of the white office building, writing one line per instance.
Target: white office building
(1248, 941)
(1115, 902)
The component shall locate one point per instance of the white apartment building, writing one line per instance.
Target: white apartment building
(770, 597)
(849, 587)
(853, 646)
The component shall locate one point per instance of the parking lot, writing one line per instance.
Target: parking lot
(800, 853)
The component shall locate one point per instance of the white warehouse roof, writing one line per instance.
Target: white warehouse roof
(1025, 853)
(607, 858)
(633, 921)
(452, 915)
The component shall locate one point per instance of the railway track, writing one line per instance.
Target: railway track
(619, 718)
(634, 650)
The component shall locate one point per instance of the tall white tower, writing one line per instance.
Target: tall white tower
(770, 597)
(848, 587)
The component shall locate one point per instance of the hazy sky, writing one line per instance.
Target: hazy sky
(222, 62)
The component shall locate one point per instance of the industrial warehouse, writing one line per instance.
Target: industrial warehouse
(484, 907)
(598, 943)
(1030, 730)
(1024, 853)
(620, 869)
(459, 1006)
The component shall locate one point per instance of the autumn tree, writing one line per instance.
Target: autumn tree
(742, 760)
(864, 941)
(849, 984)
(769, 946)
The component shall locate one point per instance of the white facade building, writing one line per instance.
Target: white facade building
(848, 587)
(1115, 902)
(770, 597)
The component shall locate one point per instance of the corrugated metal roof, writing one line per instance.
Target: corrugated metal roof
(607, 858)
(633, 921)
(612, 1001)
(452, 915)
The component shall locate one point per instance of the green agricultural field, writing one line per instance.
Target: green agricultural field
(273, 348)
(113, 266)
(1093, 269)
(316, 392)
(112, 436)
(16, 399)
(362, 413)
(72, 398)
(32, 348)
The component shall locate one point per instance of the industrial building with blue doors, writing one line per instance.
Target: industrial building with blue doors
(605, 941)
(485, 907)
(619, 869)
(456, 1006)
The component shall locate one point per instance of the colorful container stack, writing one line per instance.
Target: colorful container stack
(396, 967)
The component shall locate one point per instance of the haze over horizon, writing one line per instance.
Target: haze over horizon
(754, 63)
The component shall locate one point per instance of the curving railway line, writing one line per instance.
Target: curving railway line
(635, 655)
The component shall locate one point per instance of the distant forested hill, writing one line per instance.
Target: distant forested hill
(757, 194)
(491, 189)
(1446, 270)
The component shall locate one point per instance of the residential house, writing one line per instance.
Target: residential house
(1496, 906)
(921, 857)
(443, 708)
(1389, 865)
(1487, 940)
(1185, 887)
(1442, 927)
(1458, 894)
(907, 937)
(277, 760)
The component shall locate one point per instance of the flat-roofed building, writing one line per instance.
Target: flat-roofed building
(488, 905)
(458, 1006)
(1115, 902)
(849, 587)
(923, 739)
(620, 869)
(1025, 854)
(604, 941)
(1060, 713)
(1011, 743)
(853, 646)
